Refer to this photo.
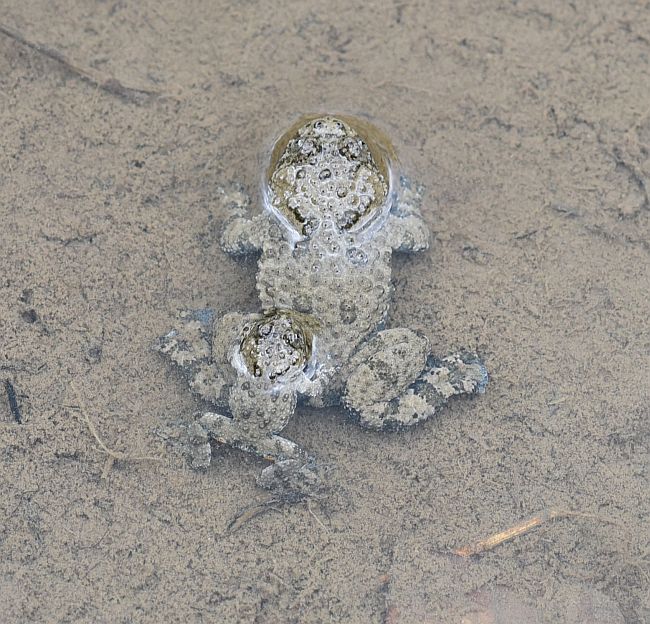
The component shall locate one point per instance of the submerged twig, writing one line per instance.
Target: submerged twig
(13, 402)
(108, 84)
(248, 513)
(521, 528)
(112, 454)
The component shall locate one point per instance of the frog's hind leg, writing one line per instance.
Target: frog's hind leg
(234, 433)
(396, 383)
(292, 475)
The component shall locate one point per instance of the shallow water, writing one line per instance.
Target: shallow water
(529, 125)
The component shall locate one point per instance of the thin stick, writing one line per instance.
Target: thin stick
(110, 85)
(311, 511)
(13, 402)
(112, 454)
(248, 513)
(521, 528)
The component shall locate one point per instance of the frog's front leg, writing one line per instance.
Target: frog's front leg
(241, 234)
(406, 230)
(395, 382)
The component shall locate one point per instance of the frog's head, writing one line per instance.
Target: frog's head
(278, 346)
(333, 173)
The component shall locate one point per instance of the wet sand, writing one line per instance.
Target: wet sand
(529, 123)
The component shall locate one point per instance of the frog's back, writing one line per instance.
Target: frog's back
(348, 293)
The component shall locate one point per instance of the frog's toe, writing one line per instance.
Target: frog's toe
(460, 373)
(292, 480)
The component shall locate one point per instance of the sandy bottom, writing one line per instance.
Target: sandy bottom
(529, 122)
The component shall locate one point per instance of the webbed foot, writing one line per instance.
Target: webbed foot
(189, 346)
(292, 480)
(396, 383)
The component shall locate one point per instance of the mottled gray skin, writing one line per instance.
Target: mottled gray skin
(258, 392)
(334, 214)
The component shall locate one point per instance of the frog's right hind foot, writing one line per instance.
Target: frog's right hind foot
(233, 433)
(189, 343)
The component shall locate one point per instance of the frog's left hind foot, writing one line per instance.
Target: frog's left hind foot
(396, 385)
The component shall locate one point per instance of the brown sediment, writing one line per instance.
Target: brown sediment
(528, 124)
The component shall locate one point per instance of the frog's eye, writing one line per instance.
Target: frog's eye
(351, 148)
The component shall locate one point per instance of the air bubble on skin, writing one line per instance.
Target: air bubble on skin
(348, 312)
(325, 174)
(357, 256)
